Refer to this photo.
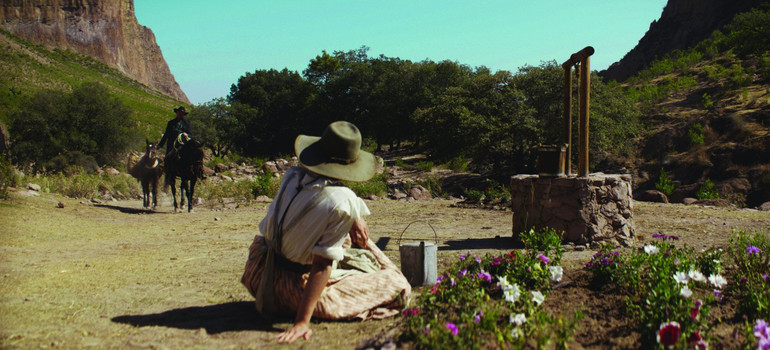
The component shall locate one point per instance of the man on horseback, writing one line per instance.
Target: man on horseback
(174, 128)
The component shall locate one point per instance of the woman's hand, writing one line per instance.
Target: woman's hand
(299, 330)
(359, 233)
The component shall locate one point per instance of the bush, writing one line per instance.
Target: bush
(707, 191)
(55, 130)
(7, 177)
(377, 186)
(664, 184)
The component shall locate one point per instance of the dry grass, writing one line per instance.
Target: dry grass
(114, 276)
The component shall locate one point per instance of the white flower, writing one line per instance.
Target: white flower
(718, 281)
(538, 297)
(685, 292)
(695, 275)
(650, 249)
(518, 319)
(511, 292)
(516, 332)
(556, 273)
(681, 277)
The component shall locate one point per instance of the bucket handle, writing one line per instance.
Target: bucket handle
(435, 236)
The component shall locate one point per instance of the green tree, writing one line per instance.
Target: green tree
(217, 126)
(274, 108)
(54, 130)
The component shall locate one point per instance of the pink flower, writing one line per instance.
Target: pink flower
(696, 310)
(669, 333)
(452, 328)
(543, 258)
(410, 312)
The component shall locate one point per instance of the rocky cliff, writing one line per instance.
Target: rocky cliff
(104, 29)
(682, 24)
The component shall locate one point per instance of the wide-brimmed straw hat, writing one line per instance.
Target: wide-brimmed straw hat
(336, 154)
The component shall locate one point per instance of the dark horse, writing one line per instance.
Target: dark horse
(148, 171)
(185, 162)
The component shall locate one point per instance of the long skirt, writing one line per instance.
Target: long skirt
(362, 296)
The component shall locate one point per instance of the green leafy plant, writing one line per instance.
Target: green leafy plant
(750, 251)
(424, 166)
(697, 134)
(604, 265)
(706, 101)
(664, 184)
(707, 191)
(496, 192)
(473, 195)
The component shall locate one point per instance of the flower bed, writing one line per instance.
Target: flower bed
(672, 296)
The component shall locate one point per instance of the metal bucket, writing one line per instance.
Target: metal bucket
(419, 260)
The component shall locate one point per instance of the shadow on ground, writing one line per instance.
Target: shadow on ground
(481, 243)
(227, 317)
(128, 210)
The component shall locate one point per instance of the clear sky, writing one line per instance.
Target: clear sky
(208, 45)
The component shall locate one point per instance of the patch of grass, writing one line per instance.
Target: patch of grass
(377, 186)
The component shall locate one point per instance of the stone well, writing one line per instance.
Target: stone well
(597, 208)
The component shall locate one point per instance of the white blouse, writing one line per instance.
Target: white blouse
(323, 228)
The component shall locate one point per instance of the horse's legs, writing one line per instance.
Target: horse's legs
(183, 190)
(190, 193)
(172, 183)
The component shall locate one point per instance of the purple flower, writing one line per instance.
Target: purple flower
(477, 317)
(478, 260)
(463, 272)
(762, 332)
(751, 250)
(718, 294)
(452, 328)
(485, 275)
(543, 258)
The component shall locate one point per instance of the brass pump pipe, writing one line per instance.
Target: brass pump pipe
(583, 57)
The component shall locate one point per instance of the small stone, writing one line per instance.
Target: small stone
(217, 219)
(34, 187)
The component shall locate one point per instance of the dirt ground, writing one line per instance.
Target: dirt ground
(110, 275)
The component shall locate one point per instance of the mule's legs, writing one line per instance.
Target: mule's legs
(155, 193)
(145, 193)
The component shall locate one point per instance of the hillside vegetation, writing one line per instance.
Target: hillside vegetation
(28, 68)
(706, 111)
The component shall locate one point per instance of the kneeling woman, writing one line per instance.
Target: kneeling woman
(302, 262)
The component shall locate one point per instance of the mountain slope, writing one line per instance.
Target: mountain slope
(28, 68)
(104, 29)
(682, 24)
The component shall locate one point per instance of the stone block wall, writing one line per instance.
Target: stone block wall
(597, 208)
